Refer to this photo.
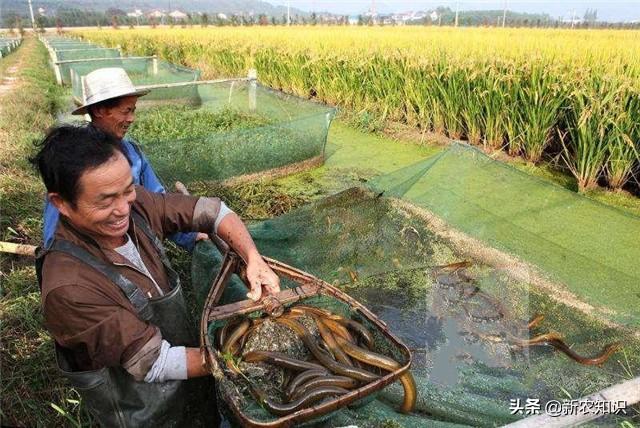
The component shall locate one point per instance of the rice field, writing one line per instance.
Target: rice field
(571, 95)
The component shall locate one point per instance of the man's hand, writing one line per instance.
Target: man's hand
(201, 236)
(260, 275)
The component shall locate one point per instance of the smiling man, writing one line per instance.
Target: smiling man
(110, 298)
(111, 100)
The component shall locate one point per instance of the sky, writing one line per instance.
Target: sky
(614, 10)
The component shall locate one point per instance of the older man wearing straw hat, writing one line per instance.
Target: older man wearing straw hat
(111, 101)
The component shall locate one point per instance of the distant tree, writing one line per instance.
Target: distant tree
(204, 20)
(262, 19)
(274, 21)
(360, 20)
(113, 11)
(114, 22)
(314, 18)
(591, 16)
(40, 23)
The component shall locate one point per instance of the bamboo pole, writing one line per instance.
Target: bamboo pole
(70, 61)
(627, 392)
(19, 249)
(199, 82)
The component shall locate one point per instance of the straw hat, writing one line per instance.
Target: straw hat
(105, 84)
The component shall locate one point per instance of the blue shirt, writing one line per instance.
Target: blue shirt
(143, 175)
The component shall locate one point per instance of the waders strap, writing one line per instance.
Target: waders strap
(133, 293)
(142, 224)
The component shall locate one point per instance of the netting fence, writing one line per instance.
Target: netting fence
(141, 70)
(230, 129)
(8, 45)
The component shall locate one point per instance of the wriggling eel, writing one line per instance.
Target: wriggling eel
(281, 360)
(386, 363)
(353, 325)
(555, 340)
(339, 381)
(324, 358)
(328, 338)
(310, 397)
(302, 378)
(235, 335)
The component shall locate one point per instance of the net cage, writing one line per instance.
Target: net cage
(228, 130)
(141, 70)
(8, 44)
(63, 59)
(586, 246)
(448, 253)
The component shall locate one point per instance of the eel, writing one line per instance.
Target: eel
(324, 358)
(279, 359)
(339, 381)
(386, 363)
(302, 378)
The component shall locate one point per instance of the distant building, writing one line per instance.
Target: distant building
(223, 17)
(178, 16)
(135, 14)
(156, 14)
(42, 11)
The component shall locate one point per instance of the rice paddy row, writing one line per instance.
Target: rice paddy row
(533, 93)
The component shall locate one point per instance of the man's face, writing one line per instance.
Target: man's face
(116, 120)
(104, 202)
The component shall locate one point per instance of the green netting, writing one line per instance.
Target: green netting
(58, 46)
(81, 53)
(8, 45)
(589, 247)
(387, 257)
(215, 132)
(141, 71)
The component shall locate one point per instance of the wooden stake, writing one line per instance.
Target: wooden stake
(19, 249)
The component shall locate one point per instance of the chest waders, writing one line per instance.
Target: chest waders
(114, 398)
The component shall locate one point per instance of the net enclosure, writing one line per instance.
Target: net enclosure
(63, 58)
(8, 45)
(141, 70)
(228, 130)
(468, 261)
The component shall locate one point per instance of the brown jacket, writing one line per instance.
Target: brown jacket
(88, 314)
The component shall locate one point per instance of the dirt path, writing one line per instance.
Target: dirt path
(9, 80)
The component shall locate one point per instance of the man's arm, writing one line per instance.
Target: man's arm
(79, 318)
(233, 231)
(175, 212)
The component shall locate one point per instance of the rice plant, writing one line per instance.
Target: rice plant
(473, 83)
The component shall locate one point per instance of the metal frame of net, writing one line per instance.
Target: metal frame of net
(141, 70)
(62, 56)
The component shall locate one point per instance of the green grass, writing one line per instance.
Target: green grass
(30, 382)
(175, 123)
